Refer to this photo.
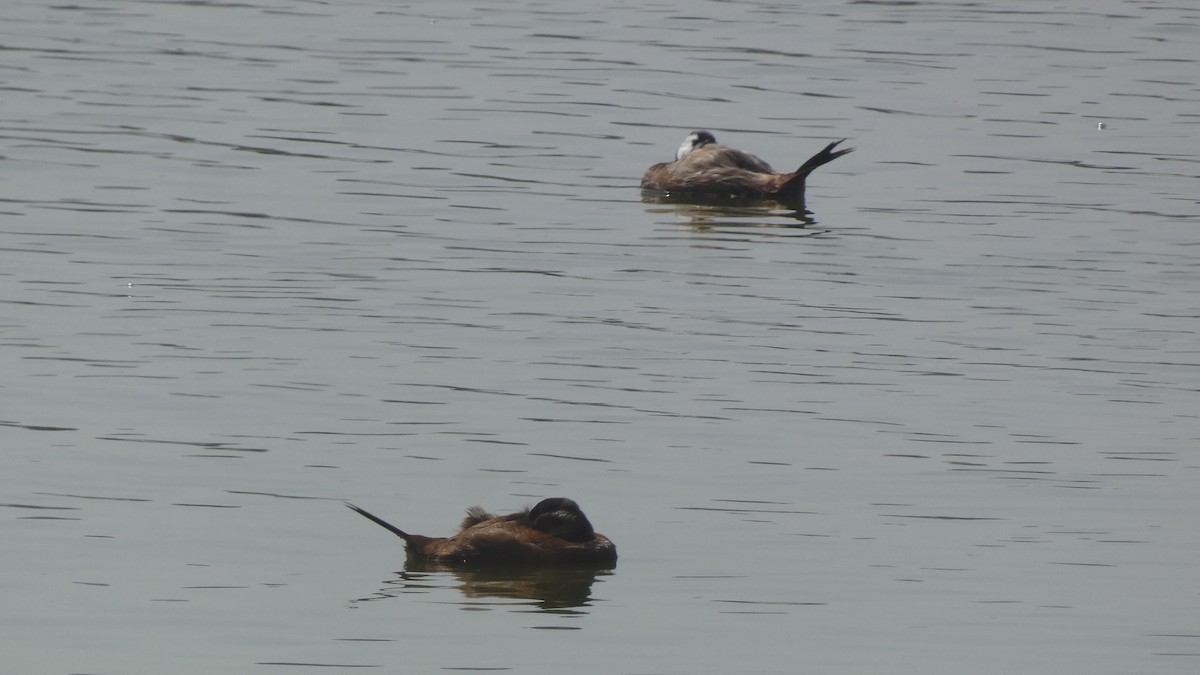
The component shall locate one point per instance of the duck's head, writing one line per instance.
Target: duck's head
(562, 518)
(696, 139)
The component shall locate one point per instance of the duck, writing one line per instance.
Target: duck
(706, 170)
(554, 532)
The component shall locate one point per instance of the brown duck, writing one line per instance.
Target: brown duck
(553, 532)
(706, 170)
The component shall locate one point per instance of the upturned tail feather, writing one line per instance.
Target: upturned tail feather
(381, 522)
(793, 189)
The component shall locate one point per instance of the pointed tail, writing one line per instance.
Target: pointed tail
(381, 522)
(792, 191)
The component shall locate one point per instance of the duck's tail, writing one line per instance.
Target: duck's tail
(382, 523)
(792, 190)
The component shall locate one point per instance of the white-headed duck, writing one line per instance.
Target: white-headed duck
(553, 532)
(706, 170)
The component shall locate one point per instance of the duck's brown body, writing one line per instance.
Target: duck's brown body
(707, 170)
(554, 532)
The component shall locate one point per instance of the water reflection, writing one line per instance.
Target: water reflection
(711, 213)
(550, 588)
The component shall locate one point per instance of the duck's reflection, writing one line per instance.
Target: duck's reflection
(550, 588)
(705, 214)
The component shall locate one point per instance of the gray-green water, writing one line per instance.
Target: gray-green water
(258, 258)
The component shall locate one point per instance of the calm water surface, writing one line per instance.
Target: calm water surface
(259, 258)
